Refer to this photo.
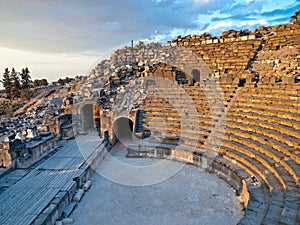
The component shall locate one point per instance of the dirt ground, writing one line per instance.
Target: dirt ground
(189, 197)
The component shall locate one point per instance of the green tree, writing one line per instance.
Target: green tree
(9, 111)
(16, 85)
(38, 83)
(44, 82)
(61, 81)
(296, 17)
(7, 83)
(3, 107)
(26, 83)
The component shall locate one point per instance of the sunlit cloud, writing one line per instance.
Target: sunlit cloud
(88, 29)
(253, 23)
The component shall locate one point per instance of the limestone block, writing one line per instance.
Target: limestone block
(244, 38)
(67, 221)
(251, 37)
(20, 136)
(210, 41)
(31, 133)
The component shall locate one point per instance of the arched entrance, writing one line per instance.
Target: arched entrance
(122, 129)
(195, 76)
(87, 116)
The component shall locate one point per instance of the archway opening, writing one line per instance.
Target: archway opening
(123, 128)
(195, 76)
(87, 116)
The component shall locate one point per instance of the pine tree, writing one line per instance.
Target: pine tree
(16, 86)
(9, 111)
(296, 17)
(39, 83)
(44, 82)
(7, 83)
(26, 79)
(26, 83)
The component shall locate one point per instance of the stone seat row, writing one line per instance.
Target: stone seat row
(291, 144)
(257, 143)
(284, 126)
(181, 107)
(267, 111)
(182, 99)
(261, 99)
(272, 91)
(273, 183)
(280, 173)
(254, 148)
(274, 196)
(272, 87)
(288, 145)
(282, 177)
(193, 89)
(276, 95)
(276, 107)
(168, 97)
(287, 120)
(168, 116)
(201, 94)
(185, 101)
(177, 127)
(251, 141)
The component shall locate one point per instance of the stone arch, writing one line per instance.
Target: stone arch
(122, 130)
(297, 79)
(195, 76)
(87, 116)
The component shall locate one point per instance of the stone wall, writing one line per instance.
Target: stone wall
(5, 156)
(15, 153)
(268, 51)
(36, 151)
(226, 55)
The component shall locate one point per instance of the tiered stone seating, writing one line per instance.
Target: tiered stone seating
(261, 139)
(280, 55)
(176, 118)
(281, 36)
(248, 131)
(271, 139)
(224, 55)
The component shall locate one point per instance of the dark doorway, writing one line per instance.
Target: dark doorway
(87, 116)
(242, 82)
(122, 129)
(195, 76)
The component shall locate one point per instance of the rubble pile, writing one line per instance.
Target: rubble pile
(28, 137)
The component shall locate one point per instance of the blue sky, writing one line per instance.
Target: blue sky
(57, 38)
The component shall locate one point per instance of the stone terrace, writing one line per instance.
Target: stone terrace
(41, 196)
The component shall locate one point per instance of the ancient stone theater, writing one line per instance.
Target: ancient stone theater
(229, 104)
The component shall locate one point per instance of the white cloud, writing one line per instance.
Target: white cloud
(253, 23)
(47, 65)
(222, 24)
(202, 1)
(101, 25)
(218, 26)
